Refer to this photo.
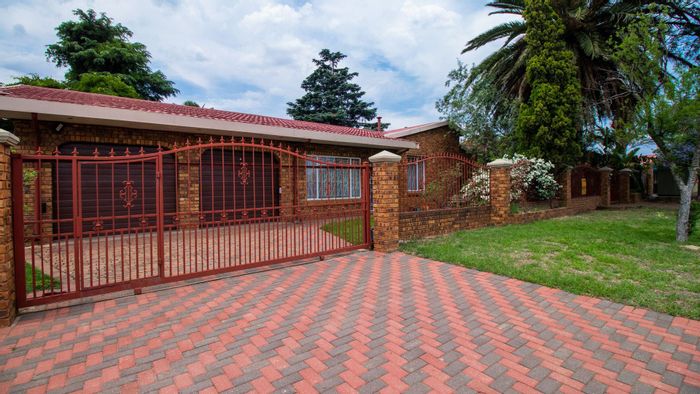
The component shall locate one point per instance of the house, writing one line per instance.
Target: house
(93, 124)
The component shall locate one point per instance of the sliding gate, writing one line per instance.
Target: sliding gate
(128, 217)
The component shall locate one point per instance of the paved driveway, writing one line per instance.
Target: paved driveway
(365, 321)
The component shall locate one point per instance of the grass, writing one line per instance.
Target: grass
(629, 257)
(349, 230)
(41, 280)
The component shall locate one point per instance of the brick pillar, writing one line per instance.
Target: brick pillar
(500, 190)
(605, 186)
(8, 308)
(385, 191)
(624, 185)
(566, 187)
(650, 180)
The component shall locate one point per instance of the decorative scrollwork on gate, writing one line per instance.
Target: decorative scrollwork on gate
(244, 173)
(128, 193)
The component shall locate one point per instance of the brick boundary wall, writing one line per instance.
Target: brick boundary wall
(419, 224)
(8, 308)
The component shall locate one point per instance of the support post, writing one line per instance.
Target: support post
(385, 192)
(605, 173)
(8, 305)
(499, 190)
(624, 185)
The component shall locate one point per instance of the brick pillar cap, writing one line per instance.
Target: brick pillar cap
(385, 157)
(499, 163)
(7, 138)
(626, 171)
(605, 169)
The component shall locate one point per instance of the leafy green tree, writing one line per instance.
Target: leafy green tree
(548, 123)
(94, 44)
(486, 124)
(669, 109)
(36, 80)
(103, 83)
(331, 97)
(191, 103)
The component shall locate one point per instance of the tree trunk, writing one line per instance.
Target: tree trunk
(682, 226)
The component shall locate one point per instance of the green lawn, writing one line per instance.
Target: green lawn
(41, 280)
(625, 256)
(349, 230)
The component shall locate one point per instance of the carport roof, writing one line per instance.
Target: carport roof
(20, 101)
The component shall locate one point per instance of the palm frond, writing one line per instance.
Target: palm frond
(509, 30)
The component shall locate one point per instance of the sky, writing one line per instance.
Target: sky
(251, 56)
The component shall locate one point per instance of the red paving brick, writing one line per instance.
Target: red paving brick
(366, 322)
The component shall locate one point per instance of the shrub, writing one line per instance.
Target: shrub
(528, 176)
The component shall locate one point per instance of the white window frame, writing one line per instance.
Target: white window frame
(317, 168)
(416, 167)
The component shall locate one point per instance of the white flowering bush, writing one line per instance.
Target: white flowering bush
(477, 190)
(528, 176)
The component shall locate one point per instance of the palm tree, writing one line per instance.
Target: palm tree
(590, 27)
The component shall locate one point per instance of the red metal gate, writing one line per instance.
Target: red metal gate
(86, 225)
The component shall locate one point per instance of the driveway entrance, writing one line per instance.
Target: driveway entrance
(362, 322)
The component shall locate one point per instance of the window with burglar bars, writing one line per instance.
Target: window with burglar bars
(327, 183)
(415, 175)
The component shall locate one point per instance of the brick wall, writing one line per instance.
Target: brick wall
(7, 281)
(420, 224)
(440, 140)
(188, 193)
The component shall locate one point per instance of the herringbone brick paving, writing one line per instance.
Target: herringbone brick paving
(364, 322)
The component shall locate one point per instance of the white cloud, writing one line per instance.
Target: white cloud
(252, 56)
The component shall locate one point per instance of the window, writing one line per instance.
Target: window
(324, 182)
(416, 174)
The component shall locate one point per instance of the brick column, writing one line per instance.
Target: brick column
(500, 190)
(566, 187)
(650, 180)
(605, 186)
(8, 308)
(385, 190)
(624, 185)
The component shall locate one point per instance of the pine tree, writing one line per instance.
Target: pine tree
(331, 97)
(548, 124)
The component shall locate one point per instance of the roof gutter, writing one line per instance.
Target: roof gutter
(19, 108)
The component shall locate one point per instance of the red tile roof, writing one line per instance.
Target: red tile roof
(100, 100)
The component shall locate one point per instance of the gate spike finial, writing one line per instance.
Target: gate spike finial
(111, 152)
(126, 152)
(199, 140)
(272, 143)
(38, 150)
(187, 142)
(175, 145)
(74, 152)
(95, 152)
(211, 140)
(221, 140)
(141, 151)
(56, 152)
(160, 148)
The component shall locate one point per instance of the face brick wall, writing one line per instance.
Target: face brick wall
(7, 284)
(440, 140)
(188, 192)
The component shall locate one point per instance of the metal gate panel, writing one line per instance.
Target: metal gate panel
(130, 227)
